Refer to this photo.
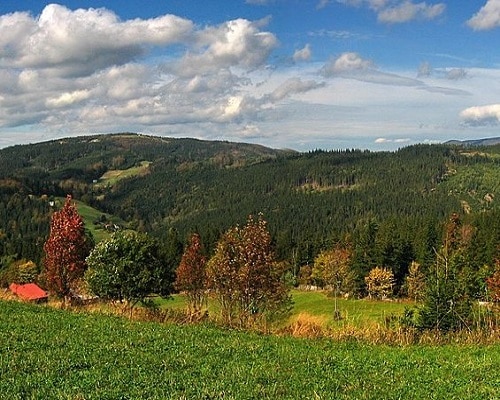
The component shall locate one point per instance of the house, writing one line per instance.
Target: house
(29, 292)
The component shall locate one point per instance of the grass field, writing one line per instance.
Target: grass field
(89, 215)
(111, 177)
(52, 354)
(319, 307)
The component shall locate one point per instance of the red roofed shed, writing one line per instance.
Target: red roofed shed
(29, 292)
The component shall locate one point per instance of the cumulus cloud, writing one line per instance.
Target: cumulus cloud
(481, 115)
(303, 54)
(346, 64)
(236, 43)
(79, 42)
(488, 17)
(399, 11)
(85, 69)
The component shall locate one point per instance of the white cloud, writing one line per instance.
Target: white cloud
(456, 74)
(293, 86)
(89, 65)
(488, 17)
(238, 43)
(408, 11)
(399, 11)
(424, 69)
(77, 43)
(322, 4)
(346, 63)
(67, 99)
(303, 54)
(481, 115)
(353, 66)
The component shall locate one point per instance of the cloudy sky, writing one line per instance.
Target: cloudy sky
(300, 74)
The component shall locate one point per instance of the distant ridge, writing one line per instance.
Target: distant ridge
(476, 142)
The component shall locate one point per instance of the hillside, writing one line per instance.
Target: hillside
(391, 205)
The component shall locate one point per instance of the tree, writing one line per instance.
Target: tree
(333, 267)
(447, 304)
(380, 282)
(191, 275)
(128, 266)
(245, 276)
(415, 282)
(493, 284)
(65, 250)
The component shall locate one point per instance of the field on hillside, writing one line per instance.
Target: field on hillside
(48, 353)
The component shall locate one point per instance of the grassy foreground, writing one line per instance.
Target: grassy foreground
(52, 354)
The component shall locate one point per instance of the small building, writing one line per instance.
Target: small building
(29, 292)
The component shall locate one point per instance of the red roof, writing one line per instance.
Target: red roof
(29, 291)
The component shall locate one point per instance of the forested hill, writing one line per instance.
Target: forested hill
(391, 206)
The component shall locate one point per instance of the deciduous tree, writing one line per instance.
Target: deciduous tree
(380, 282)
(65, 250)
(333, 268)
(191, 275)
(493, 284)
(245, 276)
(415, 282)
(128, 266)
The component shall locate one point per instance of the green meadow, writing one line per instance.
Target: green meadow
(48, 353)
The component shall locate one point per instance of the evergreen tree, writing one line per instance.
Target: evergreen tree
(447, 304)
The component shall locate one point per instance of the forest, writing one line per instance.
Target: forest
(391, 209)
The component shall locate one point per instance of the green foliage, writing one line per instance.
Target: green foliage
(447, 300)
(93, 356)
(128, 266)
(21, 271)
(446, 306)
(392, 206)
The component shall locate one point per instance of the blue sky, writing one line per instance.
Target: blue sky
(300, 74)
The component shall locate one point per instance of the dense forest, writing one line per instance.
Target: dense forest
(391, 208)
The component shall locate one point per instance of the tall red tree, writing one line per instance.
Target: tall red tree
(191, 274)
(65, 250)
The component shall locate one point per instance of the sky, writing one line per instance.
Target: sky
(297, 74)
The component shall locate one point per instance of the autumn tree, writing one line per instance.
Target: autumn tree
(191, 275)
(65, 250)
(245, 276)
(380, 282)
(415, 282)
(493, 284)
(128, 267)
(333, 268)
